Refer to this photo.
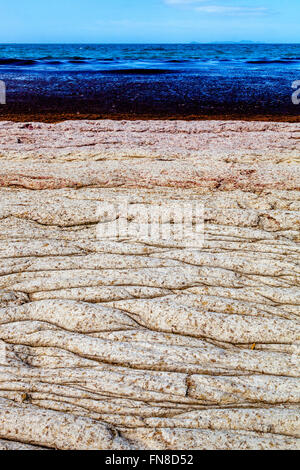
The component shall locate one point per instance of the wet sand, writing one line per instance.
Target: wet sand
(59, 97)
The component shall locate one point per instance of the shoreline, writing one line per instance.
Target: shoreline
(55, 117)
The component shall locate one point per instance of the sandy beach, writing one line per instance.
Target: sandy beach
(124, 343)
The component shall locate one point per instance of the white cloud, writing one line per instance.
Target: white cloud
(208, 8)
(228, 10)
(183, 2)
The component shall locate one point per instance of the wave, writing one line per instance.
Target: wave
(273, 61)
(138, 67)
(138, 71)
(17, 62)
(179, 61)
(52, 62)
(78, 61)
(107, 59)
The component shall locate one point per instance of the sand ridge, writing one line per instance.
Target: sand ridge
(127, 344)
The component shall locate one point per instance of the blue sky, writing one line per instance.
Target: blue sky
(149, 20)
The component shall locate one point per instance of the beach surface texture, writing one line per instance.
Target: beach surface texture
(127, 343)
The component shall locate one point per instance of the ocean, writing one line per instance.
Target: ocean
(156, 80)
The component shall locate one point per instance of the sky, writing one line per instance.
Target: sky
(148, 21)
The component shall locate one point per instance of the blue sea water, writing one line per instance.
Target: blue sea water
(136, 58)
(158, 79)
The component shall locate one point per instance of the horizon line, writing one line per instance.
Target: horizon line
(193, 43)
